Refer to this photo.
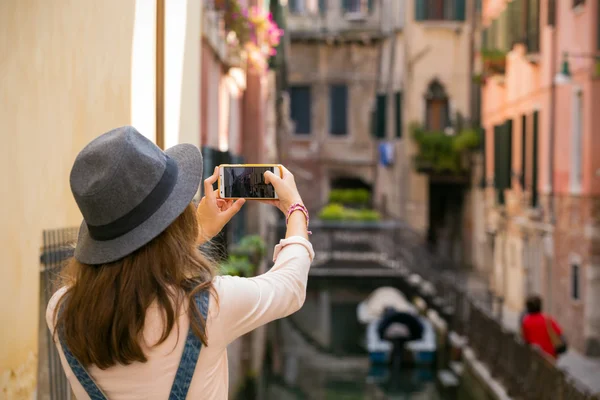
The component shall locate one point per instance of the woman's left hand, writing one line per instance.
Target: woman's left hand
(214, 213)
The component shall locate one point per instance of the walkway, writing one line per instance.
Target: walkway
(586, 370)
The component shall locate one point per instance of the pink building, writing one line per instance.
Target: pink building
(237, 122)
(543, 209)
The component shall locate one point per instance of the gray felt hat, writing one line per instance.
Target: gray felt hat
(129, 191)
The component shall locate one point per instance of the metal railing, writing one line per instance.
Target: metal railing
(525, 371)
(476, 315)
(57, 247)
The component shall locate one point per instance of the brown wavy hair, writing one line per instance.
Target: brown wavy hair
(104, 307)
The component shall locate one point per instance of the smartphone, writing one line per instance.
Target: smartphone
(247, 181)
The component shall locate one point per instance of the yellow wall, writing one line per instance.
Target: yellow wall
(65, 78)
(434, 50)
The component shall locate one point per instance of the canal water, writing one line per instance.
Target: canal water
(296, 369)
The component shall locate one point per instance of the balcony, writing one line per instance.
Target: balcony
(349, 19)
(444, 155)
(215, 34)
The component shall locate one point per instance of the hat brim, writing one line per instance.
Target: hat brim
(189, 175)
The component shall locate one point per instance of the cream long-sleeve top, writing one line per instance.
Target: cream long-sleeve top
(244, 304)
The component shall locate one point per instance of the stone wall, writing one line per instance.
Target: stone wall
(320, 156)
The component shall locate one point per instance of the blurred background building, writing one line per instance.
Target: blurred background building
(469, 121)
(539, 90)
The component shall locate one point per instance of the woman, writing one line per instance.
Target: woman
(141, 314)
(542, 330)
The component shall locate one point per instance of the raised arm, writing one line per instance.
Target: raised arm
(247, 303)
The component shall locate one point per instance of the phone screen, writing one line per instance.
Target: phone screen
(247, 182)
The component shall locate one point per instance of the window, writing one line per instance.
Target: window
(578, 3)
(437, 110)
(338, 110)
(575, 293)
(440, 10)
(304, 6)
(398, 109)
(300, 108)
(357, 6)
(577, 144)
(379, 117)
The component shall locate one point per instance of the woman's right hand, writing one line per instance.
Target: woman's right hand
(286, 189)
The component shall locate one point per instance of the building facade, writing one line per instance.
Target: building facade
(440, 45)
(338, 74)
(361, 75)
(539, 98)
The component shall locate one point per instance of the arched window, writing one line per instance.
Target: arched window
(437, 112)
(345, 182)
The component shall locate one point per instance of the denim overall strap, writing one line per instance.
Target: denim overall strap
(79, 371)
(191, 351)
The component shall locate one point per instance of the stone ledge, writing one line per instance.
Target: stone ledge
(491, 386)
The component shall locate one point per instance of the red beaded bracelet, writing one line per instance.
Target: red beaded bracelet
(298, 207)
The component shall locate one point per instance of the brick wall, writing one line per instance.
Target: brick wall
(571, 246)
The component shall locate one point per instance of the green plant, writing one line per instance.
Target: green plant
(337, 212)
(243, 257)
(441, 152)
(493, 55)
(479, 79)
(237, 266)
(466, 140)
(332, 212)
(253, 244)
(356, 197)
(368, 215)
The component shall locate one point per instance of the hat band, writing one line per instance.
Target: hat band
(142, 211)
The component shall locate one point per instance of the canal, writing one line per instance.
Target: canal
(320, 352)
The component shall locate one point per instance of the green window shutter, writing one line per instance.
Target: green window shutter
(293, 5)
(551, 18)
(459, 10)
(346, 5)
(534, 161)
(381, 116)
(322, 6)
(482, 135)
(300, 101)
(523, 151)
(420, 11)
(338, 110)
(370, 5)
(398, 104)
(374, 122)
(502, 158)
(598, 28)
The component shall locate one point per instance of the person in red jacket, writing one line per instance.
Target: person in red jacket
(542, 330)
